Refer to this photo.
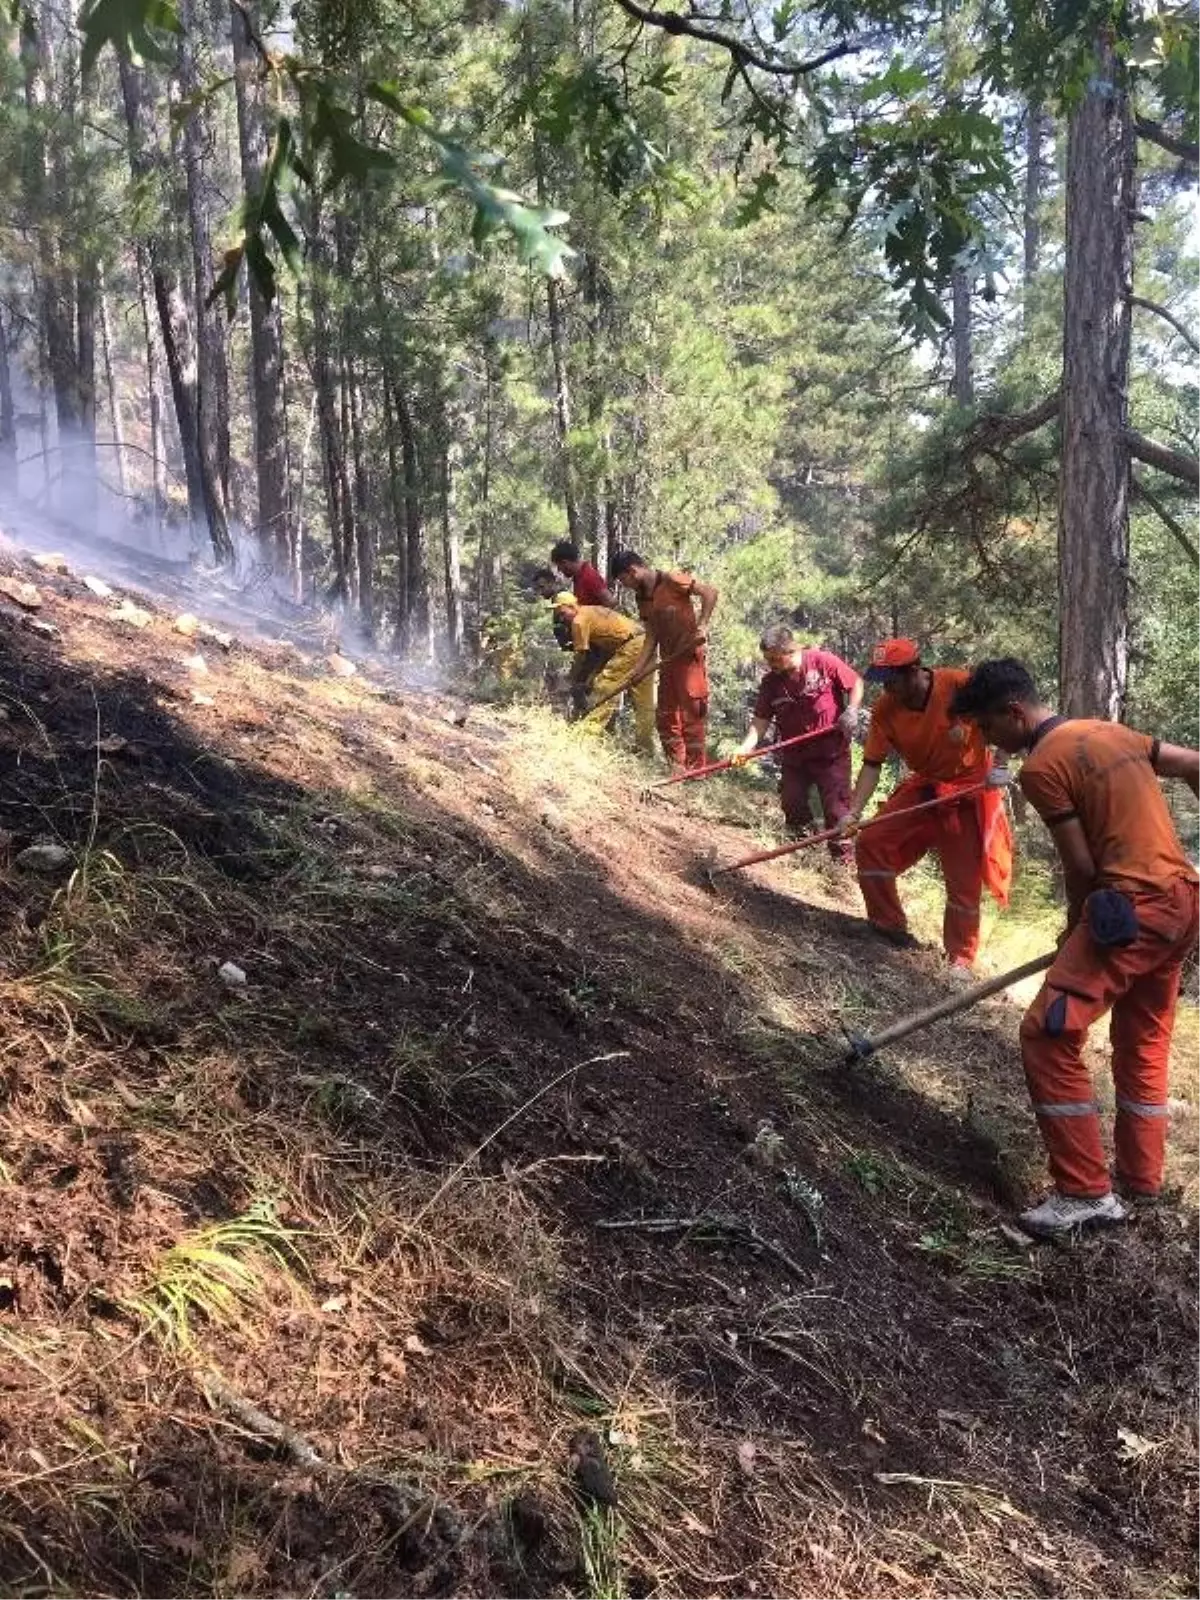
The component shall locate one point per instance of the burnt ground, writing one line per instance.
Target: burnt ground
(307, 1285)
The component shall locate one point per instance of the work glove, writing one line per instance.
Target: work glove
(739, 758)
(998, 778)
(849, 824)
(848, 721)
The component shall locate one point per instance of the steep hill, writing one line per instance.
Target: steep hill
(504, 1128)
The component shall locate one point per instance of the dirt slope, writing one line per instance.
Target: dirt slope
(308, 1284)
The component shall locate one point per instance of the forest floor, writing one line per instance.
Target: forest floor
(308, 1283)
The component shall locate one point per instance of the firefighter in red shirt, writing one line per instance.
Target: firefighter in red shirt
(589, 587)
(806, 691)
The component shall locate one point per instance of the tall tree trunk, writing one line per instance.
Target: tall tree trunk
(396, 499)
(8, 418)
(417, 634)
(364, 548)
(1093, 504)
(116, 425)
(212, 366)
(266, 335)
(205, 506)
(158, 443)
(562, 411)
(963, 388)
(337, 482)
(451, 540)
(1035, 135)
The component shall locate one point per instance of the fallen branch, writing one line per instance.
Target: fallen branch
(734, 1227)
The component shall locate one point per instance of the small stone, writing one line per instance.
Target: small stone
(456, 719)
(196, 664)
(41, 626)
(231, 975)
(42, 858)
(22, 594)
(214, 635)
(199, 699)
(99, 588)
(134, 615)
(4, 715)
(52, 563)
(187, 624)
(339, 666)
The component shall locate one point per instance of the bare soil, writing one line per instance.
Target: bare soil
(545, 1133)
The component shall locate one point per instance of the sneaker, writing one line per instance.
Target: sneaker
(1059, 1213)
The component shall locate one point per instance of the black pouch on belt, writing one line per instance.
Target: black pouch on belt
(1111, 917)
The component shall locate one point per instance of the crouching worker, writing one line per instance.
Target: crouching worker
(1131, 923)
(599, 632)
(808, 692)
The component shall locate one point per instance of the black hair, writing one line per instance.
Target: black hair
(546, 577)
(623, 560)
(777, 637)
(993, 685)
(564, 550)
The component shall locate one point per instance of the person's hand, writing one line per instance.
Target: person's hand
(998, 778)
(848, 721)
(701, 635)
(739, 758)
(849, 824)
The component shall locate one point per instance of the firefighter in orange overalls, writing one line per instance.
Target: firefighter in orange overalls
(1131, 923)
(665, 604)
(971, 836)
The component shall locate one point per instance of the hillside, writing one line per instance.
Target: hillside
(308, 1282)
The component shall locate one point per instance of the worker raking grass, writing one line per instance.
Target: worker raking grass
(1131, 923)
(601, 635)
(808, 691)
(947, 756)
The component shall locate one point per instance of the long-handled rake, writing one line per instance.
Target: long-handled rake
(646, 672)
(711, 873)
(737, 761)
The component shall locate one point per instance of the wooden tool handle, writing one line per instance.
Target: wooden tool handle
(952, 1005)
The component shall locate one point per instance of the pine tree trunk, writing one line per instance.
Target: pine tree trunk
(8, 418)
(1093, 539)
(266, 337)
(963, 388)
(364, 549)
(205, 507)
(562, 410)
(158, 443)
(1035, 134)
(212, 367)
(417, 635)
(451, 540)
(116, 426)
(396, 500)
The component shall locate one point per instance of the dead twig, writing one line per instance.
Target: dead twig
(734, 1227)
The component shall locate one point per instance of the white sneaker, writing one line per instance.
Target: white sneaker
(1059, 1213)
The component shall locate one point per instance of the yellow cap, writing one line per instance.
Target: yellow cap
(564, 598)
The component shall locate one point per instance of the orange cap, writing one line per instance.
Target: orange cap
(889, 656)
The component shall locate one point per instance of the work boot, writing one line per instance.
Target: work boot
(1060, 1213)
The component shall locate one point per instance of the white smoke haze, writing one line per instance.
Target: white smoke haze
(61, 497)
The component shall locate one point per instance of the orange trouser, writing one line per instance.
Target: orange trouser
(886, 849)
(682, 710)
(1139, 982)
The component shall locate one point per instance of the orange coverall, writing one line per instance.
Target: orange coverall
(670, 618)
(1103, 774)
(972, 837)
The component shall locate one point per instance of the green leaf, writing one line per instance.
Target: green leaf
(130, 27)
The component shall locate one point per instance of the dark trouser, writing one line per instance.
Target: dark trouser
(830, 776)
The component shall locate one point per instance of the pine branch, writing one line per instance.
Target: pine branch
(1157, 134)
(693, 27)
(1169, 522)
(1167, 316)
(1173, 462)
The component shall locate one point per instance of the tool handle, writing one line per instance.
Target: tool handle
(850, 833)
(753, 755)
(646, 672)
(952, 1005)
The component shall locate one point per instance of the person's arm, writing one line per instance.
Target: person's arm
(868, 782)
(708, 596)
(758, 726)
(1079, 869)
(1176, 761)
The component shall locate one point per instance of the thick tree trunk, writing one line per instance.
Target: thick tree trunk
(364, 546)
(1093, 539)
(562, 411)
(266, 337)
(333, 445)
(416, 633)
(205, 506)
(451, 541)
(158, 443)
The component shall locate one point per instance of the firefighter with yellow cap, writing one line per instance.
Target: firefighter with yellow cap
(601, 631)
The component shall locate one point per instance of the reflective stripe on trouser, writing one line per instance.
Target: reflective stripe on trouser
(682, 711)
(891, 847)
(1139, 983)
(830, 776)
(614, 671)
